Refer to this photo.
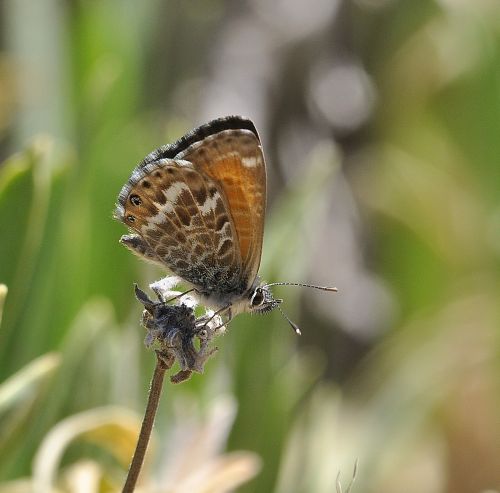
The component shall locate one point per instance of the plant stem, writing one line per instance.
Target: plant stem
(147, 426)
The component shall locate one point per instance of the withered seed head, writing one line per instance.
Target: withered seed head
(172, 330)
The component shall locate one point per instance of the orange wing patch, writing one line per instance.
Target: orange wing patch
(234, 160)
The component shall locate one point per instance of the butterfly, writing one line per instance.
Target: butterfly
(197, 207)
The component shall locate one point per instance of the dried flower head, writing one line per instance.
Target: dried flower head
(173, 330)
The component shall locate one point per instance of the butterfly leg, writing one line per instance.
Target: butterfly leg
(203, 322)
(179, 295)
(137, 245)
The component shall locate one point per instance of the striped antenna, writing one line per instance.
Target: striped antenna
(323, 288)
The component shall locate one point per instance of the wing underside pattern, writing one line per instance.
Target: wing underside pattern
(198, 206)
(181, 215)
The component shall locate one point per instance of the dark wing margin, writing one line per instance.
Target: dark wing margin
(170, 151)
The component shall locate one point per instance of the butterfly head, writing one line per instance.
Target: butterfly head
(262, 300)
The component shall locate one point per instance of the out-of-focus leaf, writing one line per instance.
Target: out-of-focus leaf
(3, 295)
(71, 387)
(313, 442)
(114, 429)
(83, 477)
(192, 450)
(19, 396)
(20, 386)
(16, 195)
(221, 475)
(17, 486)
(196, 441)
(30, 184)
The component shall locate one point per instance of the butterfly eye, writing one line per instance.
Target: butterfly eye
(135, 199)
(130, 219)
(257, 298)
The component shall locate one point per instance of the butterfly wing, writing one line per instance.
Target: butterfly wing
(181, 214)
(230, 153)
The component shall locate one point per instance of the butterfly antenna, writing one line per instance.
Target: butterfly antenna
(323, 288)
(293, 325)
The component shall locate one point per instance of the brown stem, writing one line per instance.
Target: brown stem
(147, 425)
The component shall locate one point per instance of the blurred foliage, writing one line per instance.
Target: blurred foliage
(380, 121)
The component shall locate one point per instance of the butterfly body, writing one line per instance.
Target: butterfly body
(197, 208)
